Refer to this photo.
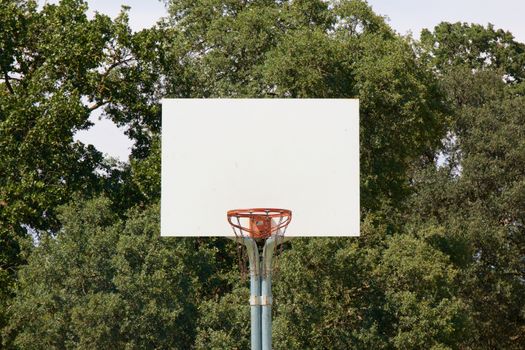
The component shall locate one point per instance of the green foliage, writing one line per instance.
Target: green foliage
(475, 46)
(439, 265)
(57, 68)
(61, 67)
(43, 80)
(225, 321)
(396, 294)
(478, 193)
(41, 108)
(106, 284)
(309, 49)
(338, 307)
(145, 173)
(421, 295)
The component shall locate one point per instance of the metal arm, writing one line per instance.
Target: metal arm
(261, 290)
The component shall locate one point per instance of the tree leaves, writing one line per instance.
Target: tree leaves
(107, 284)
(440, 261)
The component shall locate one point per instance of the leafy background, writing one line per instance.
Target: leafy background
(440, 263)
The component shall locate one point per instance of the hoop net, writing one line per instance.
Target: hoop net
(259, 224)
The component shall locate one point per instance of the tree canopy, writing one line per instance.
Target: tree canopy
(440, 263)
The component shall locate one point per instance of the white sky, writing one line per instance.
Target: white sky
(405, 16)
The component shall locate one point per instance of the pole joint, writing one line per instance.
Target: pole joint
(266, 300)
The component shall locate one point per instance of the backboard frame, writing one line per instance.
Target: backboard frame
(308, 147)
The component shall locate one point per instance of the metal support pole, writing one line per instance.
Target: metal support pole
(260, 292)
(266, 293)
(255, 292)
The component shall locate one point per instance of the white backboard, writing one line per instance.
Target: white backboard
(223, 154)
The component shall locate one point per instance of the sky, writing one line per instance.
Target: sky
(405, 16)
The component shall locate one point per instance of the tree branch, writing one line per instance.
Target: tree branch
(7, 83)
(98, 104)
(114, 65)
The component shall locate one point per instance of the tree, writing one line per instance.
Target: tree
(440, 260)
(308, 49)
(57, 69)
(368, 293)
(475, 46)
(478, 193)
(104, 283)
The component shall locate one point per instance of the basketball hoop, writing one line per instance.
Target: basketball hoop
(258, 229)
(259, 223)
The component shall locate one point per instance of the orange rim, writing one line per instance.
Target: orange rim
(261, 221)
